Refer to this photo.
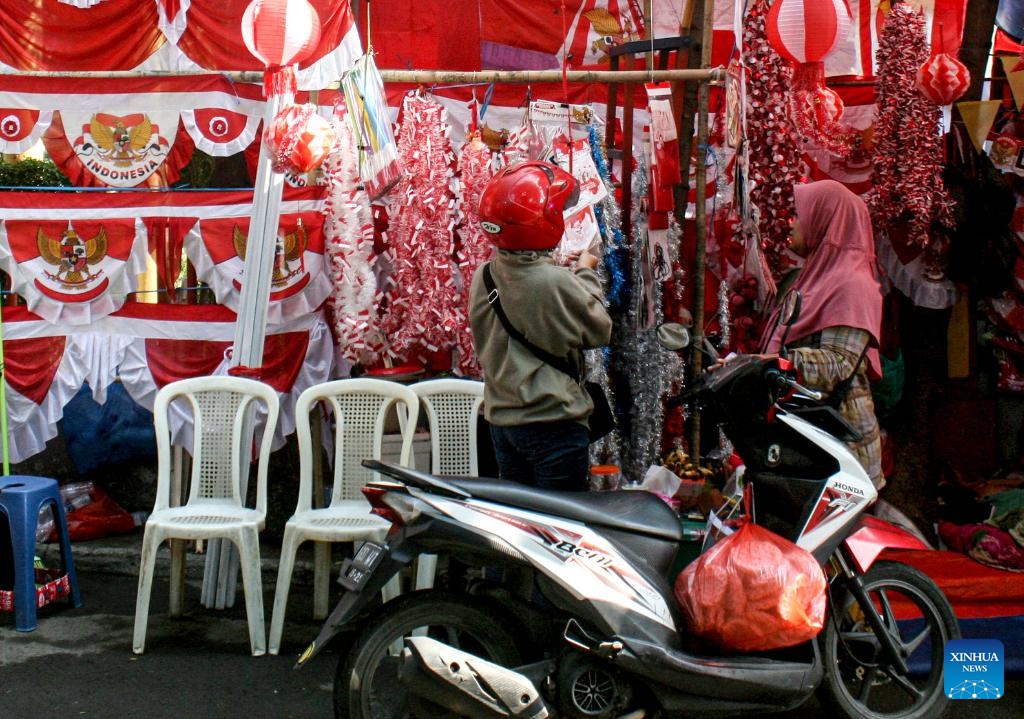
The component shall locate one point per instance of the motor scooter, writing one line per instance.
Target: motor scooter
(561, 604)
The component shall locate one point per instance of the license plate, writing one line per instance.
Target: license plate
(356, 571)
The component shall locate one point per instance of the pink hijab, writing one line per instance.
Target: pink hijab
(838, 281)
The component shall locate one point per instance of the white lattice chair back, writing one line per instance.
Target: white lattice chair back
(452, 407)
(360, 408)
(225, 413)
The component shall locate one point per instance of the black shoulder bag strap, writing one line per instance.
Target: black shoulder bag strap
(838, 393)
(559, 363)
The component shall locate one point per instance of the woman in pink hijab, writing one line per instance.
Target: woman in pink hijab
(837, 334)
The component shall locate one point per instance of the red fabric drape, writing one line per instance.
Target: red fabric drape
(283, 356)
(171, 360)
(166, 239)
(51, 35)
(213, 38)
(420, 34)
(974, 590)
(31, 364)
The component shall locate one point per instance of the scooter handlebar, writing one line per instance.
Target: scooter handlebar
(781, 381)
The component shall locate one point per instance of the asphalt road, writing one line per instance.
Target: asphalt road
(79, 663)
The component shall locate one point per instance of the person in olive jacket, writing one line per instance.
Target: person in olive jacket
(537, 413)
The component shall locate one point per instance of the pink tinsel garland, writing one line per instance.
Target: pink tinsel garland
(422, 308)
(474, 248)
(773, 144)
(907, 182)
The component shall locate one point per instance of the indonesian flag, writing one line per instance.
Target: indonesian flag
(299, 284)
(73, 271)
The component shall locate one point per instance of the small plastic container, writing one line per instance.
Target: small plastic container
(605, 478)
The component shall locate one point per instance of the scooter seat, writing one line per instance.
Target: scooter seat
(632, 511)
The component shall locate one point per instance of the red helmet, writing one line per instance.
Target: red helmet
(521, 207)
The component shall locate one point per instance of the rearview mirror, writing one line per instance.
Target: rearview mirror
(673, 335)
(789, 313)
(790, 308)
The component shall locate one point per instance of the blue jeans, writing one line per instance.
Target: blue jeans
(549, 455)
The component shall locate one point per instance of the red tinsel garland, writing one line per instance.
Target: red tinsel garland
(423, 310)
(773, 144)
(907, 184)
(474, 248)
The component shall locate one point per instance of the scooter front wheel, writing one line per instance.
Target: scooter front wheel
(860, 682)
(366, 685)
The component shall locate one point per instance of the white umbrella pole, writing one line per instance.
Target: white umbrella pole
(250, 333)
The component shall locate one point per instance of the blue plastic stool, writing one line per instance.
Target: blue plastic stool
(21, 499)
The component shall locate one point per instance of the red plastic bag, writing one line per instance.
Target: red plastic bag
(101, 517)
(753, 591)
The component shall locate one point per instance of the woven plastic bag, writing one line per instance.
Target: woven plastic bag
(753, 591)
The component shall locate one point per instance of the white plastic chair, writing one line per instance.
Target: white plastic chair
(359, 407)
(224, 415)
(452, 407)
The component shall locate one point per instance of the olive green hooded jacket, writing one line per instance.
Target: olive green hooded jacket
(561, 311)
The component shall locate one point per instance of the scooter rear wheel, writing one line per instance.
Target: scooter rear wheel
(366, 685)
(859, 682)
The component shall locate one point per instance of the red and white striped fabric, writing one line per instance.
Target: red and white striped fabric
(143, 346)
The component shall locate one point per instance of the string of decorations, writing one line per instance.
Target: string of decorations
(609, 222)
(475, 170)
(608, 214)
(907, 186)
(423, 311)
(638, 357)
(773, 157)
(348, 230)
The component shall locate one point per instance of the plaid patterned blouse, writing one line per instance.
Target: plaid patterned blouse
(825, 359)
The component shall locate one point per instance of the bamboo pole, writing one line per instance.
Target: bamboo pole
(531, 76)
(441, 77)
(699, 264)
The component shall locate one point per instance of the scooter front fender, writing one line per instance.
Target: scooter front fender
(872, 536)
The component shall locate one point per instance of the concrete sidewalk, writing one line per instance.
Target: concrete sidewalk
(120, 554)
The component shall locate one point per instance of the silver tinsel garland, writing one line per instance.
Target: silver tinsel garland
(608, 449)
(648, 368)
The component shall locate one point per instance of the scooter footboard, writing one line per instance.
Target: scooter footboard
(741, 681)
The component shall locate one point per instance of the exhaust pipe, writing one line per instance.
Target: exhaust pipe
(465, 683)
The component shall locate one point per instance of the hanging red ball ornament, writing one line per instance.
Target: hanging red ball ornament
(805, 31)
(821, 108)
(298, 139)
(943, 79)
(280, 33)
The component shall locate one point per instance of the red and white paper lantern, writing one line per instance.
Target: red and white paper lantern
(806, 31)
(943, 79)
(298, 139)
(280, 33)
